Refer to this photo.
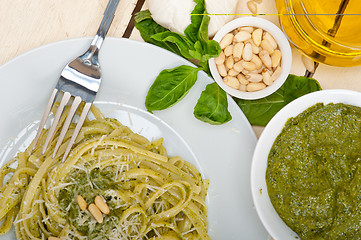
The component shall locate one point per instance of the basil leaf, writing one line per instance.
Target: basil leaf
(259, 112)
(296, 87)
(147, 27)
(212, 106)
(198, 29)
(144, 15)
(204, 51)
(183, 44)
(197, 32)
(170, 87)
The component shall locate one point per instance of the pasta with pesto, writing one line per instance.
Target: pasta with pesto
(150, 195)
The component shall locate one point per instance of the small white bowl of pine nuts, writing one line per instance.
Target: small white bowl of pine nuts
(256, 58)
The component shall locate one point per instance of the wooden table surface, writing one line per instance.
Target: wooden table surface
(27, 24)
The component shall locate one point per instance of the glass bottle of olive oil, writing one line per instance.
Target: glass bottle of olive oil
(329, 31)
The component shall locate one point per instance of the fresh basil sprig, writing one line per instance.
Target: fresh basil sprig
(259, 112)
(172, 85)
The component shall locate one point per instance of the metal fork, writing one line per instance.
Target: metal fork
(80, 80)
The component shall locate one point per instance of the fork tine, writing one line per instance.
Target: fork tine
(77, 129)
(45, 116)
(58, 113)
(73, 108)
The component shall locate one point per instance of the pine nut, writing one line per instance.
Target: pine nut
(256, 60)
(220, 59)
(95, 212)
(276, 73)
(234, 41)
(250, 66)
(232, 82)
(255, 86)
(54, 238)
(276, 58)
(247, 52)
(242, 36)
(245, 72)
(81, 202)
(267, 77)
(229, 62)
(252, 7)
(261, 69)
(101, 204)
(222, 70)
(226, 40)
(238, 66)
(257, 36)
(265, 44)
(266, 59)
(308, 63)
(232, 72)
(242, 79)
(271, 40)
(247, 29)
(242, 87)
(254, 77)
(237, 51)
(228, 51)
(255, 49)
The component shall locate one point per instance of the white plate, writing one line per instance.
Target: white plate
(224, 152)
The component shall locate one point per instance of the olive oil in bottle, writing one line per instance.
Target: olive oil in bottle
(329, 31)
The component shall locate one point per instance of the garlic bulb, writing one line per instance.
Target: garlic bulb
(175, 14)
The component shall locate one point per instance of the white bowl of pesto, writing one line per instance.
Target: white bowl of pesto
(320, 204)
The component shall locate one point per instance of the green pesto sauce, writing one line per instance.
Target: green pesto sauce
(90, 184)
(314, 173)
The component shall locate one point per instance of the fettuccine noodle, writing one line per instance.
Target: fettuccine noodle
(150, 195)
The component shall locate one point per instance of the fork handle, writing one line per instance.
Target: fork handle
(105, 24)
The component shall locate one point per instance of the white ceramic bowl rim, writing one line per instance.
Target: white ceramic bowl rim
(269, 217)
(283, 44)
